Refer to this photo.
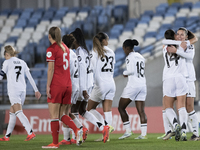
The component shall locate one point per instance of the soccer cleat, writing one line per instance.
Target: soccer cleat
(183, 137)
(5, 139)
(161, 137)
(168, 135)
(51, 146)
(126, 135)
(177, 132)
(194, 138)
(105, 133)
(30, 137)
(111, 129)
(64, 142)
(141, 137)
(79, 137)
(85, 131)
(73, 141)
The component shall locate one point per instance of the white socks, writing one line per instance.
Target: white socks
(108, 117)
(23, 119)
(11, 124)
(183, 117)
(97, 115)
(144, 129)
(171, 115)
(194, 121)
(127, 126)
(66, 133)
(91, 118)
(166, 123)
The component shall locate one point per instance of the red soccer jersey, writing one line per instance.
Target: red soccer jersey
(61, 76)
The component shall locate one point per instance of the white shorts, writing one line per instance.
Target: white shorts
(81, 98)
(174, 87)
(17, 98)
(192, 89)
(135, 93)
(98, 94)
(74, 97)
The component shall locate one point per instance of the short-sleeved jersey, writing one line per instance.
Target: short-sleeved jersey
(15, 69)
(61, 76)
(135, 66)
(103, 67)
(74, 69)
(175, 65)
(84, 69)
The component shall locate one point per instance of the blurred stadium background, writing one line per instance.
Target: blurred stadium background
(24, 24)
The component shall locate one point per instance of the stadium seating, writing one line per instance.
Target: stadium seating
(27, 30)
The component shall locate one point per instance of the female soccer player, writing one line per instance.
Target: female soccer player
(182, 35)
(135, 89)
(59, 86)
(68, 41)
(85, 82)
(103, 60)
(15, 69)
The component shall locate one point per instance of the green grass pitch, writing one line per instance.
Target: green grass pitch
(152, 143)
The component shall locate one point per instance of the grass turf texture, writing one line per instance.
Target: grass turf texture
(152, 143)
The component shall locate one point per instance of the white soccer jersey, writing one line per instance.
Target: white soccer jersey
(175, 65)
(74, 70)
(15, 70)
(84, 69)
(135, 65)
(103, 67)
(188, 54)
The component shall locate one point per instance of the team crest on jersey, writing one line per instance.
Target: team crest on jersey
(49, 54)
(79, 58)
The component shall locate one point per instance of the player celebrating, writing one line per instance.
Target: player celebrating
(103, 60)
(15, 69)
(135, 89)
(68, 41)
(182, 35)
(85, 82)
(59, 86)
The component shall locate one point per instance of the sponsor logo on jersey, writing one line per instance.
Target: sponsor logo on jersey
(49, 54)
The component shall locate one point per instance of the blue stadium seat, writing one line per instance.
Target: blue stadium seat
(146, 49)
(88, 29)
(187, 5)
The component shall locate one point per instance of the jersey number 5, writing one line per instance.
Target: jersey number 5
(65, 66)
(18, 72)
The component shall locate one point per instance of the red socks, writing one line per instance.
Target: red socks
(68, 121)
(55, 130)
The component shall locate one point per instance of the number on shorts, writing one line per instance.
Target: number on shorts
(108, 66)
(140, 69)
(65, 66)
(76, 66)
(18, 72)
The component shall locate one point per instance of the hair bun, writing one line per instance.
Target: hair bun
(135, 42)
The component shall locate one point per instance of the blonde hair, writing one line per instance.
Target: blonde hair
(55, 33)
(98, 45)
(10, 50)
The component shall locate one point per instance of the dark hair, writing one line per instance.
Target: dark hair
(169, 34)
(130, 43)
(77, 33)
(68, 40)
(97, 43)
(56, 35)
(187, 32)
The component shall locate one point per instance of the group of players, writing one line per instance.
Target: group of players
(178, 84)
(78, 82)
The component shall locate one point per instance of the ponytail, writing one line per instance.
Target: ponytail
(98, 45)
(56, 35)
(130, 43)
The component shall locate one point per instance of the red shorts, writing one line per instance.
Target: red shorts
(60, 95)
